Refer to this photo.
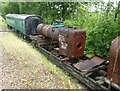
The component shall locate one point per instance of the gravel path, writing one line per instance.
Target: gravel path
(4, 79)
(4, 73)
(1, 60)
(1, 57)
(16, 74)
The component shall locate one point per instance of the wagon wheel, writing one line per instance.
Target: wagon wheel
(34, 42)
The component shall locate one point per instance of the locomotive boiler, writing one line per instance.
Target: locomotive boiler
(71, 41)
(113, 73)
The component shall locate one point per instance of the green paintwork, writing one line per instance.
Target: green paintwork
(57, 24)
(18, 21)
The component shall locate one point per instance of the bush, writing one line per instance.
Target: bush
(100, 37)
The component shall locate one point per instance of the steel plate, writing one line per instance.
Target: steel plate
(89, 64)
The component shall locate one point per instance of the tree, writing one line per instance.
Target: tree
(10, 7)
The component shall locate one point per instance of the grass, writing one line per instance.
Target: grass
(24, 52)
(2, 24)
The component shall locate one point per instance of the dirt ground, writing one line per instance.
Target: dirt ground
(1, 67)
(23, 74)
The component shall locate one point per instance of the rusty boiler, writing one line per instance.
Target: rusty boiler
(71, 42)
(113, 73)
(48, 31)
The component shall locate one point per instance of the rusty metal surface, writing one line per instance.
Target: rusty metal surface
(115, 76)
(72, 42)
(48, 31)
(56, 33)
(39, 28)
(40, 40)
(86, 65)
(114, 64)
(43, 29)
(114, 46)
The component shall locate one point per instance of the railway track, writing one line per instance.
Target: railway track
(8, 30)
(94, 77)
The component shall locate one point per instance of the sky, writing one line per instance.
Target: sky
(111, 0)
(55, 0)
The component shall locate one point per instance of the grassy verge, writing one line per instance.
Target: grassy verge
(25, 53)
(2, 24)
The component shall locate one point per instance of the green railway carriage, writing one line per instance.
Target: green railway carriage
(26, 24)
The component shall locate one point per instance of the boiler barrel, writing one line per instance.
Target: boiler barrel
(48, 31)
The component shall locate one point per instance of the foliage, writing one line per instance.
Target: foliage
(10, 7)
(99, 38)
(48, 10)
(2, 24)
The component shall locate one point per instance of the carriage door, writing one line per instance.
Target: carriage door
(34, 23)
